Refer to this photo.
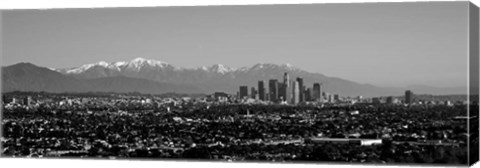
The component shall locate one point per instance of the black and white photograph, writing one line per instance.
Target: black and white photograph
(378, 83)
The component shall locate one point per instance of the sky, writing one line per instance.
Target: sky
(384, 44)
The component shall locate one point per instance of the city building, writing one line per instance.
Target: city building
(408, 97)
(253, 93)
(317, 92)
(325, 97)
(261, 90)
(273, 87)
(286, 87)
(29, 101)
(301, 89)
(243, 92)
(389, 100)
(281, 92)
(307, 94)
(220, 96)
(295, 93)
(336, 97)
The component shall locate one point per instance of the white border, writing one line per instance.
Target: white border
(48, 4)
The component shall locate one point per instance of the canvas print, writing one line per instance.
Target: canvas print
(358, 83)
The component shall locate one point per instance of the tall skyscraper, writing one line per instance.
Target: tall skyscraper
(261, 90)
(295, 92)
(307, 94)
(408, 97)
(253, 93)
(281, 92)
(243, 92)
(301, 89)
(317, 92)
(286, 89)
(273, 87)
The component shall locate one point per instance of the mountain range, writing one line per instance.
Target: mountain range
(152, 76)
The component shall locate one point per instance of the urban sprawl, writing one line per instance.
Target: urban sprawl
(289, 122)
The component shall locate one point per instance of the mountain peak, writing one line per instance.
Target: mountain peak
(139, 62)
(140, 59)
(219, 68)
(103, 63)
(289, 66)
(85, 67)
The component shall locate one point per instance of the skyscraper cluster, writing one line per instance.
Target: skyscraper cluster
(285, 91)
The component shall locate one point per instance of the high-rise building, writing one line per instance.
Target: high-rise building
(273, 87)
(243, 92)
(295, 93)
(307, 94)
(408, 97)
(301, 89)
(317, 92)
(253, 94)
(336, 97)
(281, 92)
(286, 88)
(261, 90)
(286, 79)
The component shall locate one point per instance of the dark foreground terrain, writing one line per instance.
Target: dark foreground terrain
(150, 128)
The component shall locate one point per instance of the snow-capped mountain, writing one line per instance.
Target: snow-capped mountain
(219, 68)
(139, 64)
(136, 64)
(149, 76)
(212, 78)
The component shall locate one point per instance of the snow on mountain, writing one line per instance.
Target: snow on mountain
(219, 68)
(135, 65)
(204, 68)
(142, 64)
(86, 67)
(289, 66)
(120, 63)
(138, 63)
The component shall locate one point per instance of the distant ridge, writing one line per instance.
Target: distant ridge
(29, 77)
(152, 76)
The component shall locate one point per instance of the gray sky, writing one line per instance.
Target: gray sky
(385, 44)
